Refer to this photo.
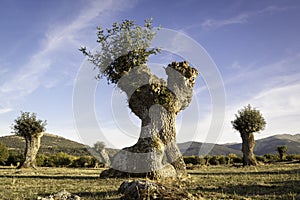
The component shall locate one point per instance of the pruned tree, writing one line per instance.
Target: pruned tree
(124, 51)
(248, 121)
(100, 149)
(282, 152)
(28, 126)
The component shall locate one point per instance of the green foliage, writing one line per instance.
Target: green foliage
(214, 160)
(28, 125)
(15, 159)
(61, 159)
(123, 47)
(261, 159)
(248, 120)
(282, 152)
(195, 160)
(223, 160)
(270, 158)
(41, 160)
(85, 161)
(292, 157)
(3, 154)
(98, 146)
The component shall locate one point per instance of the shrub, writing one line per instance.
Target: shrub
(261, 158)
(195, 160)
(84, 161)
(41, 160)
(60, 160)
(15, 159)
(292, 157)
(3, 154)
(237, 159)
(214, 160)
(223, 160)
(271, 158)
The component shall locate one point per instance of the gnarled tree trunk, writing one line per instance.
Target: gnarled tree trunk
(33, 143)
(156, 102)
(104, 157)
(247, 149)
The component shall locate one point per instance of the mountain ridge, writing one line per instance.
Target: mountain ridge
(51, 143)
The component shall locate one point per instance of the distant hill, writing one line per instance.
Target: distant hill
(269, 145)
(49, 144)
(200, 149)
(52, 144)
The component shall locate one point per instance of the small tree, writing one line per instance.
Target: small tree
(282, 152)
(100, 149)
(3, 154)
(248, 121)
(31, 128)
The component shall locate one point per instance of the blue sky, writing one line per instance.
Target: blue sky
(254, 45)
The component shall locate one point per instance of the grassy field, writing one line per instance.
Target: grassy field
(276, 181)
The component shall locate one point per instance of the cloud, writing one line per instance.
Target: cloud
(5, 110)
(241, 18)
(57, 39)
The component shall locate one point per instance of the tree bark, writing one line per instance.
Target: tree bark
(33, 143)
(157, 103)
(105, 158)
(247, 149)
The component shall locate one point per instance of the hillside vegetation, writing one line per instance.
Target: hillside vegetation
(53, 144)
(269, 145)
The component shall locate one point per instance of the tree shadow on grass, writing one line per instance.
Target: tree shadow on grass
(111, 195)
(269, 188)
(51, 177)
(293, 171)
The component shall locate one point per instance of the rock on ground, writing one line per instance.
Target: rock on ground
(62, 195)
(147, 190)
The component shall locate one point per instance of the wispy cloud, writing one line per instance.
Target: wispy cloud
(5, 110)
(57, 39)
(241, 18)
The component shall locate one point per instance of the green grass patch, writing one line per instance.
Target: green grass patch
(275, 181)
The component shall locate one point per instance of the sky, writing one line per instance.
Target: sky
(253, 49)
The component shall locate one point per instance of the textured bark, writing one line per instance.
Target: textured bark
(247, 148)
(33, 143)
(104, 157)
(156, 102)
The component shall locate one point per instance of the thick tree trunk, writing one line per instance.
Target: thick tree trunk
(105, 158)
(157, 103)
(31, 149)
(247, 148)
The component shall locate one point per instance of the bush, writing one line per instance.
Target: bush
(261, 159)
(271, 158)
(195, 160)
(223, 160)
(84, 161)
(214, 160)
(292, 157)
(60, 160)
(15, 159)
(237, 160)
(41, 160)
(3, 154)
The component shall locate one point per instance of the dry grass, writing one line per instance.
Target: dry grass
(280, 181)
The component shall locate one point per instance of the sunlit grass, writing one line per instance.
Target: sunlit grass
(281, 181)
